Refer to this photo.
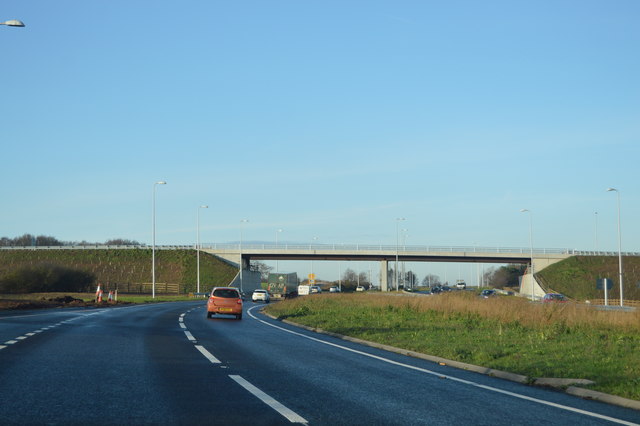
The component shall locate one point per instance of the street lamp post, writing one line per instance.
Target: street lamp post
(619, 246)
(242, 221)
(595, 232)
(531, 250)
(404, 249)
(153, 240)
(277, 232)
(198, 247)
(398, 219)
(13, 23)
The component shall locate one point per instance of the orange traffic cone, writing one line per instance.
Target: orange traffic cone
(97, 292)
(99, 296)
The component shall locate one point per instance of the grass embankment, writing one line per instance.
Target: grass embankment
(576, 277)
(504, 333)
(128, 270)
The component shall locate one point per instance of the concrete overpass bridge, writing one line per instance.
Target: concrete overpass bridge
(243, 254)
(384, 254)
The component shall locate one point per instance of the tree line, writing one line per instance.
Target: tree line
(29, 240)
(503, 276)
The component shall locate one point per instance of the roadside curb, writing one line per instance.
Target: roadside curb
(557, 383)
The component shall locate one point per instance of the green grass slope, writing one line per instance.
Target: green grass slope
(576, 277)
(128, 269)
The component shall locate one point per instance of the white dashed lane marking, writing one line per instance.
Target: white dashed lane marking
(208, 354)
(287, 413)
(290, 415)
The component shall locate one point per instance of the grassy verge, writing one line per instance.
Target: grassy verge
(505, 333)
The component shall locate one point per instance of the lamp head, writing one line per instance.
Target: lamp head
(13, 23)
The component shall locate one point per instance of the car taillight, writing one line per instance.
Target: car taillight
(239, 302)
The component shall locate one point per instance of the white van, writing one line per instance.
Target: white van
(304, 290)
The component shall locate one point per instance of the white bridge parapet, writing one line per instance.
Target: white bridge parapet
(389, 253)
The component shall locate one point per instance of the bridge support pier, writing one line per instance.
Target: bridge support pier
(384, 275)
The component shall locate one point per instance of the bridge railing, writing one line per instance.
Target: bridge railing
(402, 248)
(336, 247)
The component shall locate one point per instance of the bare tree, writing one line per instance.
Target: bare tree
(121, 242)
(431, 280)
(261, 267)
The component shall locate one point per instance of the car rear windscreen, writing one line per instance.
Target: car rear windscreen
(226, 293)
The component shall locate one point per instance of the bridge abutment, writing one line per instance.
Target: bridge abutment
(384, 275)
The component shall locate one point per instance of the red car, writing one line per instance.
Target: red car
(225, 300)
(554, 298)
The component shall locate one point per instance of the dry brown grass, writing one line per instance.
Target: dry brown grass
(506, 309)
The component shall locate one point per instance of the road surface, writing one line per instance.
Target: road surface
(167, 363)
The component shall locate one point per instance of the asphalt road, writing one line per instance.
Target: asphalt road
(168, 364)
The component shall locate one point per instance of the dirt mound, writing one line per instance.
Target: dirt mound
(53, 302)
(27, 304)
(65, 300)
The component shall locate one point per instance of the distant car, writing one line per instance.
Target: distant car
(225, 300)
(315, 289)
(334, 290)
(262, 295)
(487, 293)
(359, 288)
(554, 298)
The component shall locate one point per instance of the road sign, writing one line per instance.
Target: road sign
(312, 276)
(600, 283)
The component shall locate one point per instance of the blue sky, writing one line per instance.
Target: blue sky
(325, 119)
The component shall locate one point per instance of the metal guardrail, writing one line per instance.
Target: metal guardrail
(338, 247)
(382, 247)
(412, 248)
(616, 302)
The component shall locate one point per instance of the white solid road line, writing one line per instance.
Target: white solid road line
(207, 354)
(455, 379)
(284, 411)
